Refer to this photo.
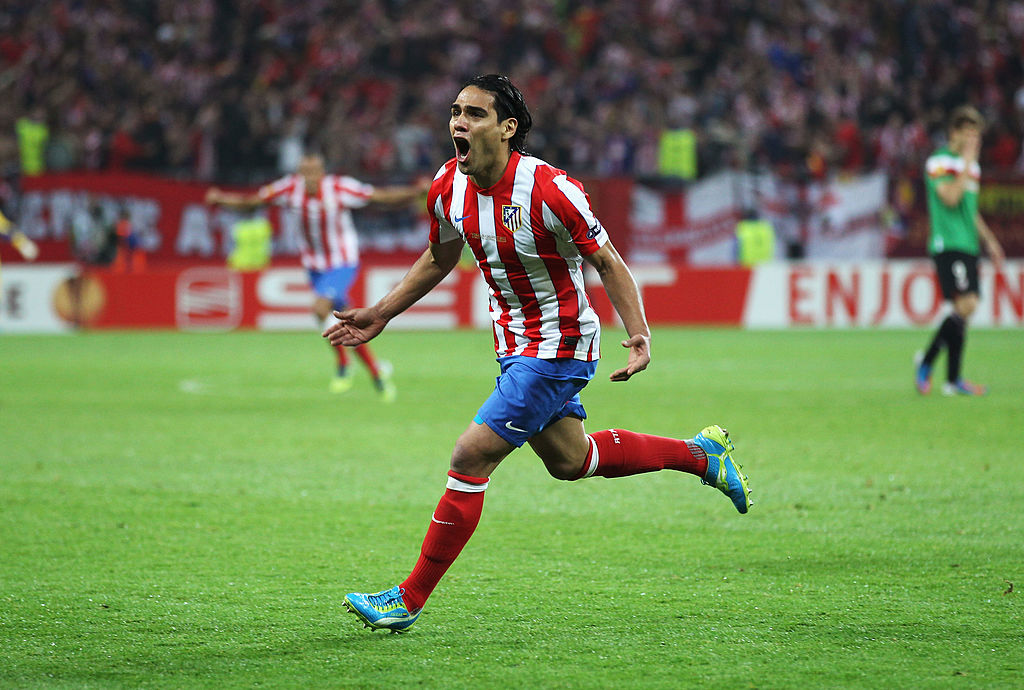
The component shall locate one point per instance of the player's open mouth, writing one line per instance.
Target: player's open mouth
(461, 149)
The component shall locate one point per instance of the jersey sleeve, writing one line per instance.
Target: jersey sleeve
(441, 229)
(276, 191)
(939, 168)
(570, 205)
(352, 193)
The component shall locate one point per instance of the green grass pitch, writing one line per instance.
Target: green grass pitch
(188, 510)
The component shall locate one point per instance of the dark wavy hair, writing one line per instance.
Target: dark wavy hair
(508, 102)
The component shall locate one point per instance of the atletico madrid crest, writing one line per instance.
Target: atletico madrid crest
(512, 216)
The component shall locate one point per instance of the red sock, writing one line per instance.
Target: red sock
(364, 354)
(342, 356)
(620, 453)
(451, 526)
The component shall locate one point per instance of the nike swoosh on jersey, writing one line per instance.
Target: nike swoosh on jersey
(459, 220)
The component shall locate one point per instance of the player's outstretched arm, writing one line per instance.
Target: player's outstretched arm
(357, 326)
(401, 194)
(625, 297)
(233, 200)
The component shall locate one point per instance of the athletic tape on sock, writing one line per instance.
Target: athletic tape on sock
(594, 458)
(456, 484)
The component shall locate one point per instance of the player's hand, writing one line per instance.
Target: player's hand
(354, 327)
(972, 149)
(995, 252)
(213, 196)
(639, 357)
(28, 249)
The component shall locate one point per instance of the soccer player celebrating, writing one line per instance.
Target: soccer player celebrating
(322, 204)
(952, 180)
(530, 227)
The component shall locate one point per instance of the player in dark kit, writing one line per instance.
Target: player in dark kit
(530, 228)
(952, 177)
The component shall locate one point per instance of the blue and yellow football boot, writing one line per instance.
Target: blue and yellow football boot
(723, 472)
(382, 610)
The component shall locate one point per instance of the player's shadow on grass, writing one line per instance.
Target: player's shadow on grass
(360, 638)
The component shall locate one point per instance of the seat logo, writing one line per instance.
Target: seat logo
(208, 299)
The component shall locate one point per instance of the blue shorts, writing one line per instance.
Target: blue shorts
(334, 284)
(531, 394)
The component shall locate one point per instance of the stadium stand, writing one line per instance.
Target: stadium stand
(229, 90)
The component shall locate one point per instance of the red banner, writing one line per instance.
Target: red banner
(212, 297)
(172, 224)
(169, 220)
(158, 209)
(215, 298)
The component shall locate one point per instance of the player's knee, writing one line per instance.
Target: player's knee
(462, 461)
(322, 309)
(563, 466)
(563, 457)
(564, 471)
(966, 305)
(472, 458)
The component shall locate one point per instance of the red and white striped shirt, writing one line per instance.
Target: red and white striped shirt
(529, 233)
(329, 238)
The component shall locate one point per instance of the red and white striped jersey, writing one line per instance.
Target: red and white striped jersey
(329, 238)
(529, 234)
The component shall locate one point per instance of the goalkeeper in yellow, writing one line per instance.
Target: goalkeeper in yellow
(952, 177)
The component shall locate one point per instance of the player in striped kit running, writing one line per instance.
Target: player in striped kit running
(530, 228)
(322, 206)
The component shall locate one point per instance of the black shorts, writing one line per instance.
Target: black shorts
(958, 273)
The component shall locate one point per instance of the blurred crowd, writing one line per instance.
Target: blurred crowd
(233, 90)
